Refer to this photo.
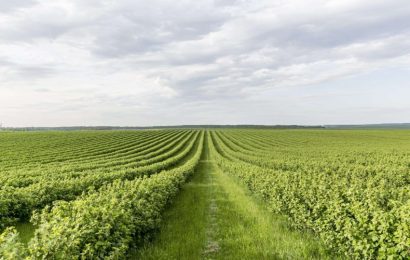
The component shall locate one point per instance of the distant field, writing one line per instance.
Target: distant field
(205, 194)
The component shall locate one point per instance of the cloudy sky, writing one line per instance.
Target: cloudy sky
(158, 62)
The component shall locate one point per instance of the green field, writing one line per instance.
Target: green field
(205, 194)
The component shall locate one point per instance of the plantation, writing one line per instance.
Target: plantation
(205, 194)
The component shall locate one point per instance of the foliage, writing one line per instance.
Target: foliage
(21, 194)
(10, 245)
(355, 197)
(103, 223)
(95, 194)
(105, 207)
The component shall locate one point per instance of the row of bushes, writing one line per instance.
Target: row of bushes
(21, 176)
(102, 224)
(17, 204)
(363, 218)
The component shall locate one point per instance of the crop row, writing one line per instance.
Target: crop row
(130, 158)
(86, 151)
(359, 213)
(102, 224)
(49, 147)
(18, 203)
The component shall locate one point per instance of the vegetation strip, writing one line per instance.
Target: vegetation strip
(17, 204)
(102, 223)
(214, 218)
(358, 209)
(101, 194)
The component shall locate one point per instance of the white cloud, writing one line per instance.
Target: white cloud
(152, 62)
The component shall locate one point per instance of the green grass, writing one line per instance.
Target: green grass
(183, 232)
(26, 231)
(213, 217)
(246, 230)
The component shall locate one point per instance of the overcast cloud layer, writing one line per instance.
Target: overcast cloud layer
(127, 62)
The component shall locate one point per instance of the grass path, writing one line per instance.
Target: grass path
(184, 230)
(213, 217)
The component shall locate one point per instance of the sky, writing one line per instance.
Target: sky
(159, 62)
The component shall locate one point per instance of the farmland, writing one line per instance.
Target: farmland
(205, 194)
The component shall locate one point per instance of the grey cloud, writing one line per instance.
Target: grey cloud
(152, 26)
(10, 6)
(22, 71)
(332, 30)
